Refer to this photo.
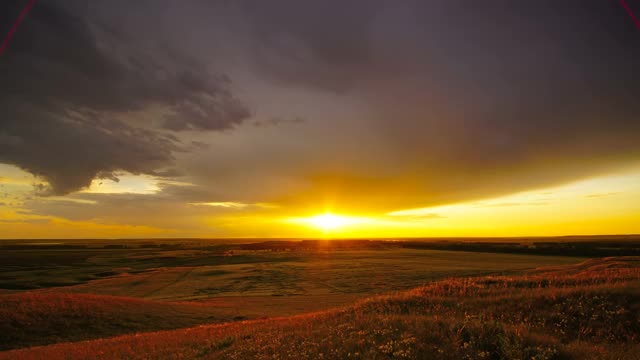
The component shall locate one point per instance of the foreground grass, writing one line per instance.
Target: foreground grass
(36, 318)
(587, 311)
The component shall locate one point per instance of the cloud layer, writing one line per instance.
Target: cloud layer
(464, 99)
(405, 104)
(68, 84)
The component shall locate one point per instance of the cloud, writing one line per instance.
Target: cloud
(320, 44)
(415, 215)
(173, 208)
(277, 121)
(460, 100)
(601, 195)
(406, 104)
(70, 87)
(233, 205)
(510, 204)
(25, 221)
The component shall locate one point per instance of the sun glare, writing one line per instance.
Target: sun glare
(333, 224)
(328, 221)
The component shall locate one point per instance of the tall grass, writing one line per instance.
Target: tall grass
(587, 311)
(39, 318)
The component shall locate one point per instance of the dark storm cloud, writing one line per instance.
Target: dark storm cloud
(302, 42)
(69, 154)
(467, 98)
(67, 81)
(405, 103)
(277, 121)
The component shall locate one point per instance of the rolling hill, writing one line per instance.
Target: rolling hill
(584, 311)
(39, 318)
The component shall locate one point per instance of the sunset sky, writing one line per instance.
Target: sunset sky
(162, 118)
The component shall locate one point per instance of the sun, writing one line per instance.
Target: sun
(331, 223)
(328, 221)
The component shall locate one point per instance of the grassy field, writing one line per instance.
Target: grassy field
(588, 310)
(33, 318)
(195, 271)
(253, 273)
(68, 291)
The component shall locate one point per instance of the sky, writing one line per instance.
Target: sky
(285, 118)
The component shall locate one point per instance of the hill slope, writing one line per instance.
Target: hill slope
(37, 318)
(586, 311)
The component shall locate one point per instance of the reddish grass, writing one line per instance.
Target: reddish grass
(586, 311)
(39, 318)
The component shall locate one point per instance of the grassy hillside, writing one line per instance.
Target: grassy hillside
(585, 311)
(36, 318)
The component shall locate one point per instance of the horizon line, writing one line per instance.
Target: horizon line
(338, 238)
